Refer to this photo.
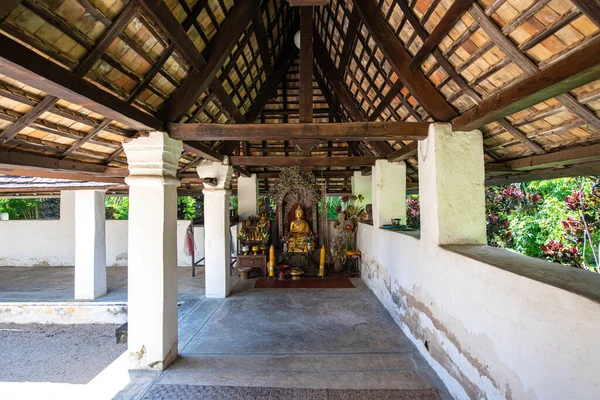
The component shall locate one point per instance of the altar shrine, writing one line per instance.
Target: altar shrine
(296, 230)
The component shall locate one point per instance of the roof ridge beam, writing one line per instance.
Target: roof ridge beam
(351, 131)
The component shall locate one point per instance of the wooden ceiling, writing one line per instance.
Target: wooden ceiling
(77, 77)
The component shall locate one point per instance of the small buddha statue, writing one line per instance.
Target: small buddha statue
(299, 229)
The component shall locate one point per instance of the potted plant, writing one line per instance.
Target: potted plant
(338, 253)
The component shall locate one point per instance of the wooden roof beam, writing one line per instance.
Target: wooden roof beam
(580, 67)
(583, 169)
(335, 79)
(306, 64)
(7, 6)
(204, 70)
(450, 18)
(406, 152)
(269, 89)
(283, 161)
(395, 53)
(385, 102)
(557, 158)
(352, 131)
(349, 39)
(29, 161)
(28, 67)
(261, 37)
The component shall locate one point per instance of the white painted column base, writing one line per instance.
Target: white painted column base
(247, 196)
(362, 185)
(389, 192)
(152, 270)
(90, 244)
(452, 186)
(216, 229)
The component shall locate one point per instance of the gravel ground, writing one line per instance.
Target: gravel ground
(56, 353)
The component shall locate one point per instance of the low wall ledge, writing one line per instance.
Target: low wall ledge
(574, 280)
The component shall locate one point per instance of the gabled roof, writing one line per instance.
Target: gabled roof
(131, 66)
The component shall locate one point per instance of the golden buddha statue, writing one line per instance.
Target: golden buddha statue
(299, 231)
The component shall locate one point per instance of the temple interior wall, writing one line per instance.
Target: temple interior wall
(488, 332)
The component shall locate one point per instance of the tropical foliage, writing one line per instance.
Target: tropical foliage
(554, 219)
(117, 207)
(31, 208)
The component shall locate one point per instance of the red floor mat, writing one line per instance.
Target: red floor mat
(333, 282)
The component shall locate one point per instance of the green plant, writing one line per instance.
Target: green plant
(346, 225)
(186, 207)
(331, 203)
(20, 208)
(117, 207)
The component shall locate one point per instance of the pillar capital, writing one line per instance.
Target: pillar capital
(152, 157)
(222, 172)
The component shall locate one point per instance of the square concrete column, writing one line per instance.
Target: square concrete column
(90, 244)
(452, 186)
(247, 196)
(361, 184)
(216, 228)
(152, 247)
(389, 192)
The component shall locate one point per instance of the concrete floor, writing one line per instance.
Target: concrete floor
(292, 338)
(55, 284)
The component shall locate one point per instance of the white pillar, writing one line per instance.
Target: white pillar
(90, 244)
(216, 228)
(451, 186)
(152, 247)
(389, 192)
(247, 196)
(361, 184)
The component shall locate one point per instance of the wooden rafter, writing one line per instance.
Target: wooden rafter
(204, 70)
(107, 38)
(306, 64)
(26, 66)
(354, 131)
(335, 79)
(269, 89)
(261, 38)
(450, 18)
(24, 160)
(40, 108)
(578, 68)
(7, 6)
(557, 158)
(420, 87)
(391, 95)
(523, 62)
(349, 38)
(464, 86)
(406, 152)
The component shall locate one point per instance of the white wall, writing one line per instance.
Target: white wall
(40, 243)
(491, 333)
(27, 243)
